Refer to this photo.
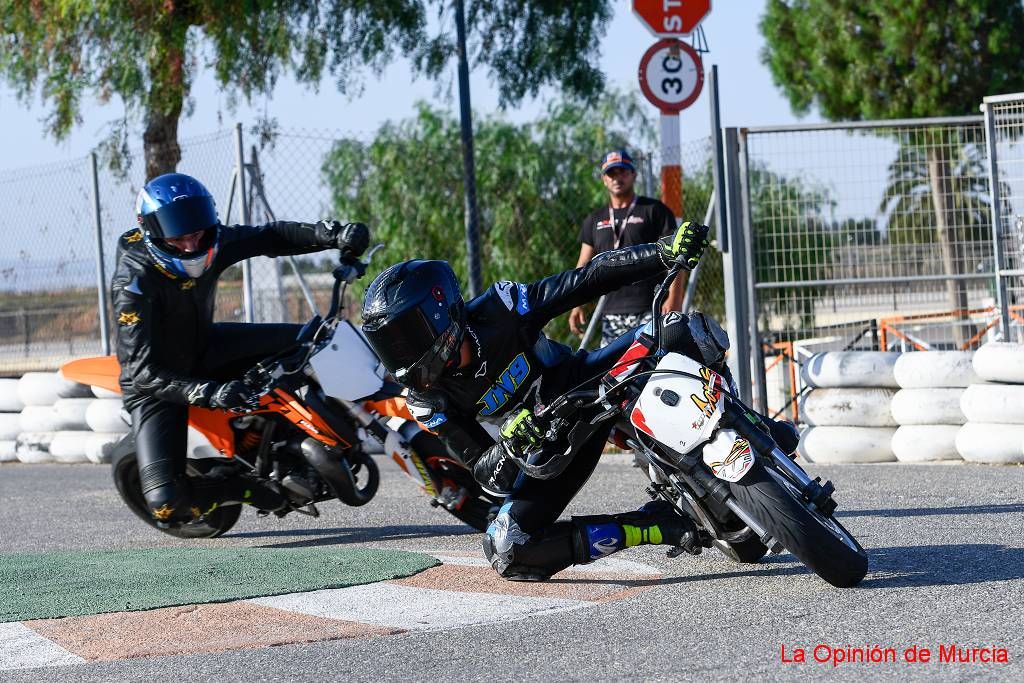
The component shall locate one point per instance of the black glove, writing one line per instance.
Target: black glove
(351, 239)
(233, 395)
(684, 246)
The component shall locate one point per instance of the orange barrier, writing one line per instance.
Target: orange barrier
(887, 326)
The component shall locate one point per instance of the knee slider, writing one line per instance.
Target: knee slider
(500, 543)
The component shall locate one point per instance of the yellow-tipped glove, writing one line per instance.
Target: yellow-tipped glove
(685, 246)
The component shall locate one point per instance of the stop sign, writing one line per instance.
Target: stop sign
(671, 17)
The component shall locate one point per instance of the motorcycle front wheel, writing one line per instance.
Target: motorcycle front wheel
(820, 542)
(126, 478)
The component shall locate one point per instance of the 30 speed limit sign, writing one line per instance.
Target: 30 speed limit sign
(671, 75)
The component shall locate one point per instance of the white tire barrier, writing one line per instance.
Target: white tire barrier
(43, 419)
(994, 403)
(1000, 362)
(939, 406)
(100, 392)
(838, 369)
(10, 426)
(34, 447)
(923, 369)
(8, 450)
(995, 444)
(44, 388)
(847, 444)
(72, 411)
(100, 447)
(9, 401)
(104, 415)
(69, 446)
(856, 407)
(925, 443)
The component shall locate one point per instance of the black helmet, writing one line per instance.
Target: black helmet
(414, 318)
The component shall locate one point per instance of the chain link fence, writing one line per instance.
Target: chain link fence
(868, 236)
(49, 301)
(1004, 122)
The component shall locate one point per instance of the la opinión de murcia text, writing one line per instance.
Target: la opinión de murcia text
(823, 653)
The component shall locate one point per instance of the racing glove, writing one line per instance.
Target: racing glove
(233, 395)
(684, 246)
(351, 239)
(520, 435)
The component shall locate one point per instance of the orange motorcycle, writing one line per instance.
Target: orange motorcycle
(321, 399)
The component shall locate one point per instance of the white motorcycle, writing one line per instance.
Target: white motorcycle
(708, 454)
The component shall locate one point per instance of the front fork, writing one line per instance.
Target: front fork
(753, 428)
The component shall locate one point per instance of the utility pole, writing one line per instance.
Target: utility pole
(468, 165)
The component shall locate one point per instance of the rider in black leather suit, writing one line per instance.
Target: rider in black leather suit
(488, 358)
(172, 354)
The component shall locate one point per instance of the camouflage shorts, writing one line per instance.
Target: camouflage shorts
(614, 325)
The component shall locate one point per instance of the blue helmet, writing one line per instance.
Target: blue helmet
(174, 205)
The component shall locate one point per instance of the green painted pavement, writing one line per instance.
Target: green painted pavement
(50, 585)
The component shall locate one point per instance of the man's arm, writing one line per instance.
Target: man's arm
(285, 238)
(577, 317)
(548, 298)
(464, 436)
(134, 315)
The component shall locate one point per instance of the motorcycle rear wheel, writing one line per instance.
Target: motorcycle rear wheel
(126, 479)
(820, 542)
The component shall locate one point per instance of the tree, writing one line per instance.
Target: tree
(536, 182)
(148, 53)
(888, 59)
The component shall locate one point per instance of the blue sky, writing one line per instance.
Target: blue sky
(748, 96)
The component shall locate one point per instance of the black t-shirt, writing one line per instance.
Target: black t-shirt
(649, 220)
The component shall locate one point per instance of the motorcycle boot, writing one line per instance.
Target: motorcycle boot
(656, 523)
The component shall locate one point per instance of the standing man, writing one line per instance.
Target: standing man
(627, 221)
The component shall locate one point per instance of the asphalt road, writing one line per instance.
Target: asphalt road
(946, 546)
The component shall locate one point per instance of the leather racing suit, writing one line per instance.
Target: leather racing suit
(514, 366)
(171, 352)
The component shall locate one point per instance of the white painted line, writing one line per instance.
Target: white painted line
(415, 609)
(608, 565)
(23, 648)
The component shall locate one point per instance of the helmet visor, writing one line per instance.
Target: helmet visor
(181, 217)
(412, 348)
(429, 367)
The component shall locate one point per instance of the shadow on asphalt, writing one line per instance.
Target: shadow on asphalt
(924, 512)
(342, 535)
(943, 565)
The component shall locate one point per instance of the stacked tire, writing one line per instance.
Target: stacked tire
(55, 423)
(104, 416)
(10, 419)
(994, 407)
(847, 410)
(927, 406)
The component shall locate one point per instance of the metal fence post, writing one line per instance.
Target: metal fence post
(733, 264)
(997, 221)
(101, 270)
(757, 371)
(243, 205)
